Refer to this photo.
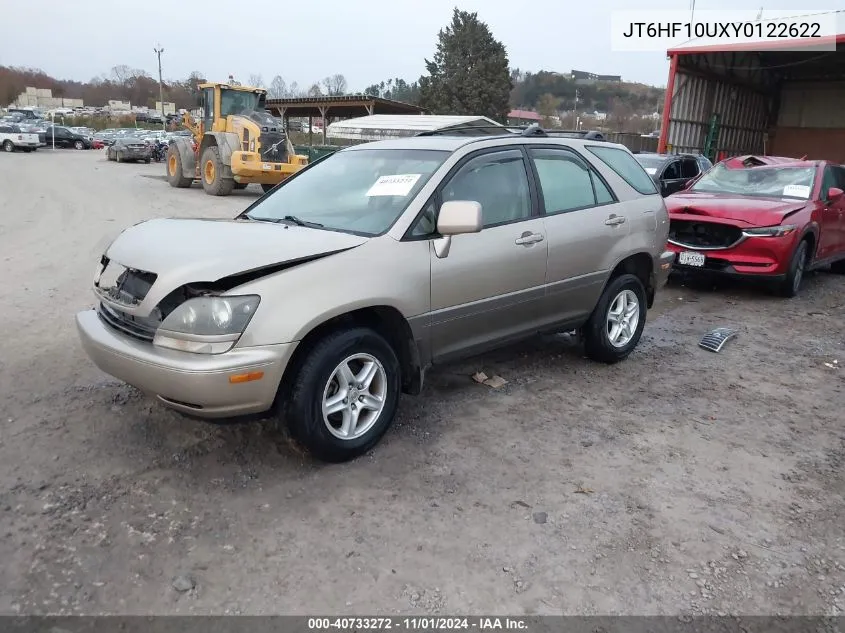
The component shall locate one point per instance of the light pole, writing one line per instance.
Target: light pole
(158, 52)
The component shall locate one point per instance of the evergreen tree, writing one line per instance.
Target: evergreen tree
(469, 73)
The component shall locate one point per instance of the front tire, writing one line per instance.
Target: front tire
(174, 169)
(790, 286)
(616, 324)
(211, 173)
(79, 145)
(344, 395)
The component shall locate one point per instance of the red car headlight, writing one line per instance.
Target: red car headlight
(770, 231)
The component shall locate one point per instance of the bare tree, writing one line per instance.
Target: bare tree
(294, 90)
(256, 81)
(314, 90)
(278, 88)
(121, 74)
(335, 85)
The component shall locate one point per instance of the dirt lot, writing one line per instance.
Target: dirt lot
(680, 481)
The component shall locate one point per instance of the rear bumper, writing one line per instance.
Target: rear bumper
(247, 167)
(195, 384)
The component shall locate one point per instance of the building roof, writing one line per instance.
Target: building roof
(386, 126)
(524, 114)
(343, 106)
(821, 44)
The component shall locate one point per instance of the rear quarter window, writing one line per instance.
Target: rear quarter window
(626, 166)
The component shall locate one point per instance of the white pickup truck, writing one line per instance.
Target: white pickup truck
(12, 138)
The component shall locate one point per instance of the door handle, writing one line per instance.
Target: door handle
(526, 239)
(614, 220)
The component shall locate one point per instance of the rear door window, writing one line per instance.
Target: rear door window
(626, 166)
(672, 171)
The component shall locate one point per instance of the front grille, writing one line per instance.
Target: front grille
(703, 235)
(124, 285)
(141, 328)
(273, 147)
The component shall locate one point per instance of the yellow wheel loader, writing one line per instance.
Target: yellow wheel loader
(235, 142)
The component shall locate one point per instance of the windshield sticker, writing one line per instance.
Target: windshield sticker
(798, 191)
(394, 185)
(650, 171)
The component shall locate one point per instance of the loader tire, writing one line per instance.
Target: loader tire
(211, 173)
(174, 169)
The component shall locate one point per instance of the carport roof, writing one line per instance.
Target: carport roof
(340, 106)
(769, 46)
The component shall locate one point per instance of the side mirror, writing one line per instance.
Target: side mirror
(833, 194)
(456, 217)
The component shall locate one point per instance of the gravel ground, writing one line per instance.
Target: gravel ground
(677, 482)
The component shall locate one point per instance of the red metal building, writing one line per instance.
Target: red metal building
(733, 100)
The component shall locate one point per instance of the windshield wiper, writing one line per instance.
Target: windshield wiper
(288, 218)
(300, 221)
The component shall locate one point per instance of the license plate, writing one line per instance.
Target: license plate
(690, 258)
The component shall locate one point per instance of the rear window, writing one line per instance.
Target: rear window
(626, 166)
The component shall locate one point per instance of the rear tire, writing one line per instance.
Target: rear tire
(174, 169)
(318, 379)
(211, 173)
(616, 324)
(147, 161)
(790, 286)
(8, 146)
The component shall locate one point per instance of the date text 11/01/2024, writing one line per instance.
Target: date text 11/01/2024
(416, 623)
(773, 30)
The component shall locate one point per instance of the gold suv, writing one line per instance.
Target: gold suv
(335, 291)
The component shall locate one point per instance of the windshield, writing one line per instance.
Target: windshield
(361, 191)
(767, 182)
(237, 102)
(650, 163)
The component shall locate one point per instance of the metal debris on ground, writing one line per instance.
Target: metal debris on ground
(479, 377)
(581, 490)
(832, 365)
(716, 339)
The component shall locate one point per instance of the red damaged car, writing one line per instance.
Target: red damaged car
(766, 217)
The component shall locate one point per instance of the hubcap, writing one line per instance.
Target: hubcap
(171, 164)
(354, 396)
(209, 172)
(623, 318)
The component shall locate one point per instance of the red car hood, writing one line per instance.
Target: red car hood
(747, 211)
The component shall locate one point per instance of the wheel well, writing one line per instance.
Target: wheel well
(811, 244)
(208, 140)
(641, 265)
(385, 320)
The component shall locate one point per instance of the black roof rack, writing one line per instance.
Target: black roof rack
(521, 130)
(505, 129)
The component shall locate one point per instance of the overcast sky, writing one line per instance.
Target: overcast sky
(367, 41)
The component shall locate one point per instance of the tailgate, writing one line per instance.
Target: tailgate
(28, 139)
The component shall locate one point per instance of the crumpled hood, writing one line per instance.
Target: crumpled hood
(182, 251)
(748, 210)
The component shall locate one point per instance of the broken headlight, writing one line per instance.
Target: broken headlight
(206, 325)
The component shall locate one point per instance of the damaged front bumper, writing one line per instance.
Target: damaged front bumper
(239, 382)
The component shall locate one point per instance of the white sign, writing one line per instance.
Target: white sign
(394, 185)
(797, 191)
(753, 30)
